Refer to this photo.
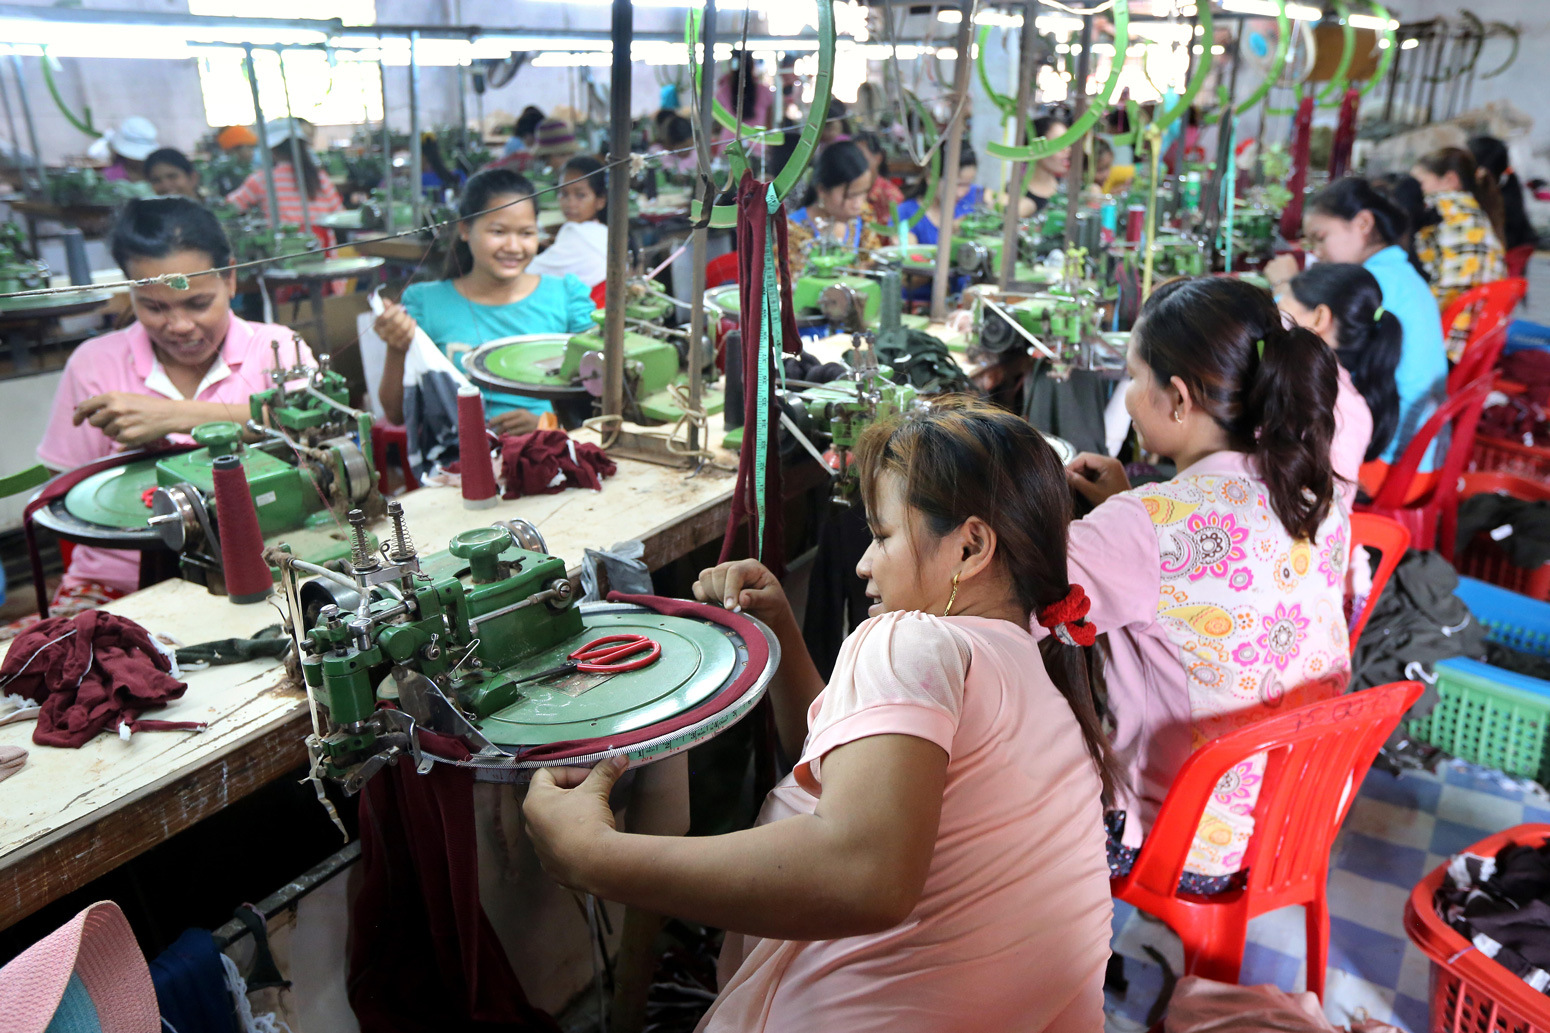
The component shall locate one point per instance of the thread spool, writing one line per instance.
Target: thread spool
(242, 545)
(473, 446)
(1135, 223)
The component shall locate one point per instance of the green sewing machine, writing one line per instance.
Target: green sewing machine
(831, 291)
(252, 238)
(567, 369)
(310, 463)
(18, 270)
(1060, 325)
(473, 643)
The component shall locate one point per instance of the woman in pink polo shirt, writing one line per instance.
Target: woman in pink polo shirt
(934, 863)
(185, 360)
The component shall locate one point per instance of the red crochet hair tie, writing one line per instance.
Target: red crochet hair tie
(1068, 619)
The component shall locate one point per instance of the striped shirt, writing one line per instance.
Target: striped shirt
(252, 194)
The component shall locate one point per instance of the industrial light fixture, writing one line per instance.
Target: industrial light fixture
(1371, 21)
(1267, 8)
(1410, 44)
(1044, 22)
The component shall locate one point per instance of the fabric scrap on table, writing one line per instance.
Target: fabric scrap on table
(92, 671)
(272, 643)
(11, 760)
(623, 570)
(546, 462)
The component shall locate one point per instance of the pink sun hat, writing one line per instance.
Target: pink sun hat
(86, 976)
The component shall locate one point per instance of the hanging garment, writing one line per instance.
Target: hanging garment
(92, 671)
(191, 985)
(546, 462)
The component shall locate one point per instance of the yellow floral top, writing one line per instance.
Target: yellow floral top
(1461, 251)
(800, 231)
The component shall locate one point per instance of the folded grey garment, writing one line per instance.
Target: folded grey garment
(11, 760)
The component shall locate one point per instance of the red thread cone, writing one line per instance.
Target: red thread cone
(474, 451)
(242, 546)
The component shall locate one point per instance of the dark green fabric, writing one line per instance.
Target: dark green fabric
(923, 362)
(269, 644)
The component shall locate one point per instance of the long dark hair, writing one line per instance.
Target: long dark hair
(1370, 338)
(1347, 198)
(155, 227)
(1491, 156)
(965, 458)
(1482, 187)
(169, 156)
(528, 122)
(872, 141)
(839, 163)
(586, 167)
(1271, 389)
(479, 194)
(309, 181)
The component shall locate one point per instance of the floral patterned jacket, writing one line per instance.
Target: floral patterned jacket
(1216, 618)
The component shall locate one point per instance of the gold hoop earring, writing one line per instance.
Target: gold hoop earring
(951, 598)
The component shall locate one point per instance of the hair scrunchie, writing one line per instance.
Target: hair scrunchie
(1068, 619)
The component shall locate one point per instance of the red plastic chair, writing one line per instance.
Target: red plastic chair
(1437, 510)
(1483, 558)
(721, 269)
(1489, 306)
(1517, 260)
(1318, 756)
(383, 435)
(1391, 539)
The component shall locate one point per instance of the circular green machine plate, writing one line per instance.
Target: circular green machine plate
(324, 268)
(56, 305)
(528, 364)
(912, 258)
(106, 508)
(698, 659)
(725, 300)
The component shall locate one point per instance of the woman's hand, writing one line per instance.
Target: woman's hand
(1097, 478)
(396, 327)
(517, 421)
(130, 419)
(1280, 269)
(745, 586)
(568, 816)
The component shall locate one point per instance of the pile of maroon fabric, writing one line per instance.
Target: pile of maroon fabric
(546, 462)
(1522, 418)
(91, 671)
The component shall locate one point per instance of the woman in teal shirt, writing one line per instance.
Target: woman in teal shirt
(1350, 221)
(489, 294)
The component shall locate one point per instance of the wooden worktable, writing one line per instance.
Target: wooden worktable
(70, 816)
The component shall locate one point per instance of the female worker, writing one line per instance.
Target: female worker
(127, 146)
(1349, 221)
(834, 208)
(1048, 175)
(170, 173)
(1463, 249)
(292, 188)
(1492, 159)
(489, 293)
(885, 195)
(185, 360)
(934, 862)
(1343, 304)
(970, 196)
(1222, 589)
(580, 247)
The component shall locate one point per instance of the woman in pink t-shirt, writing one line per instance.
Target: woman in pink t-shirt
(934, 863)
(185, 360)
(1221, 590)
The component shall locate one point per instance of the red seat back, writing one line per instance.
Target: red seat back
(721, 270)
(1479, 357)
(1391, 539)
(1317, 758)
(1517, 260)
(1488, 307)
(1437, 510)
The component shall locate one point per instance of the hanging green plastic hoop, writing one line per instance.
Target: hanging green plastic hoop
(1036, 149)
(1277, 63)
(724, 216)
(1334, 91)
(1000, 100)
(84, 124)
(1386, 57)
(1191, 89)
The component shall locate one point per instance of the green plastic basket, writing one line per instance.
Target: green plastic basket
(1487, 715)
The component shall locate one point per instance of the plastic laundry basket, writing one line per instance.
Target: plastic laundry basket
(1470, 992)
(1487, 715)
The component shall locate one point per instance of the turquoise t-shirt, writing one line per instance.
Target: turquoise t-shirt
(556, 306)
(1422, 374)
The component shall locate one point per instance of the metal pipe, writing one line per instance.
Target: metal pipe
(949, 179)
(623, 30)
(1026, 61)
(416, 159)
(296, 165)
(265, 158)
(1076, 171)
(387, 156)
(701, 233)
(32, 131)
(1224, 143)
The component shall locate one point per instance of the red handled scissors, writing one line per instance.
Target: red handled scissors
(611, 654)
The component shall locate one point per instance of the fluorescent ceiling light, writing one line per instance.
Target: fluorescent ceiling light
(1299, 12)
(1371, 21)
(1410, 44)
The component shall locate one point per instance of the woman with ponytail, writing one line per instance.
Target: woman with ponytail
(1463, 249)
(1492, 159)
(934, 863)
(1343, 304)
(1221, 589)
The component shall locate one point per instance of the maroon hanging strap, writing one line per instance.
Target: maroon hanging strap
(1291, 219)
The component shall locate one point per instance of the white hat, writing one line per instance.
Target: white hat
(135, 138)
(281, 130)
